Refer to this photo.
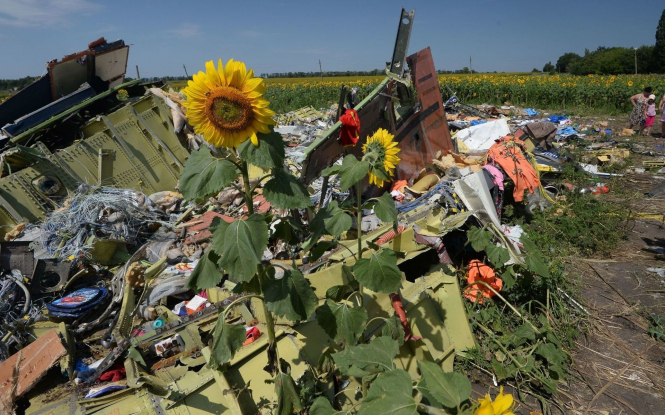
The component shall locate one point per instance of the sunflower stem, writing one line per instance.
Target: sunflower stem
(359, 218)
(248, 189)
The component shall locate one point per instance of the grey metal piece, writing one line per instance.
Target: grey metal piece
(17, 255)
(402, 42)
(49, 276)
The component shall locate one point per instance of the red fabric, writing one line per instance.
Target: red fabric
(350, 128)
(252, 334)
(114, 374)
(508, 154)
(481, 272)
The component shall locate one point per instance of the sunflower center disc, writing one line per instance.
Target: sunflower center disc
(229, 109)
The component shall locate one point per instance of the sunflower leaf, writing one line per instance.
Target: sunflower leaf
(390, 394)
(393, 328)
(367, 359)
(343, 323)
(288, 400)
(322, 406)
(290, 296)
(205, 175)
(379, 272)
(384, 207)
(241, 244)
(352, 171)
(497, 255)
(330, 220)
(206, 274)
(449, 389)
(479, 238)
(268, 154)
(228, 339)
(284, 191)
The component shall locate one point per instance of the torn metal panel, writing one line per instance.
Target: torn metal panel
(23, 370)
(421, 131)
(402, 42)
(140, 150)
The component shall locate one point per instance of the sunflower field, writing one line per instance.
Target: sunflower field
(606, 94)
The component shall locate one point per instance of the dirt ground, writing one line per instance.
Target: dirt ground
(618, 368)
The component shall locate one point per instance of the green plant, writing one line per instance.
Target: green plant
(656, 327)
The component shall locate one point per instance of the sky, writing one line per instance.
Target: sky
(283, 36)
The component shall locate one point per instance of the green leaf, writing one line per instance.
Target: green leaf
(342, 323)
(352, 171)
(320, 249)
(241, 244)
(508, 277)
(228, 339)
(450, 389)
(366, 359)
(550, 353)
(205, 175)
(500, 370)
(479, 238)
(381, 173)
(393, 328)
(288, 400)
(269, 153)
(384, 207)
(379, 272)
(286, 230)
(290, 296)
(497, 255)
(284, 191)
(206, 274)
(390, 394)
(322, 406)
(529, 245)
(329, 171)
(326, 364)
(536, 265)
(338, 292)
(523, 333)
(330, 220)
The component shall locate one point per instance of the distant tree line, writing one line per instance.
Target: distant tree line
(615, 60)
(311, 74)
(18, 84)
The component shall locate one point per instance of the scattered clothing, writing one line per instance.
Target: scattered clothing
(481, 272)
(508, 153)
(350, 132)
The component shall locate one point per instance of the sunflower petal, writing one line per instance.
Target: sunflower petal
(220, 72)
(212, 75)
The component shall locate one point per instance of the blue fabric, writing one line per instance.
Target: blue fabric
(531, 112)
(78, 305)
(567, 131)
(474, 122)
(557, 118)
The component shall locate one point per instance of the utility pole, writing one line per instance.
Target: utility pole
(320, 70)
(470, 66)
(138, 75)
(185, 68)
(635, 61)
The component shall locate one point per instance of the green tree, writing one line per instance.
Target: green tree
(548, 67)
(566, 60)
(658, 60)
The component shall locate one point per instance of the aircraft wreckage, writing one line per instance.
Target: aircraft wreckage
(99, 245)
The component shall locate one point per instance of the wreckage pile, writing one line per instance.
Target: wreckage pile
(307, 270)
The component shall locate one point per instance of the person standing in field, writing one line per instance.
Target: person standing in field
(639, 115)
(661, 105)
(651, 113)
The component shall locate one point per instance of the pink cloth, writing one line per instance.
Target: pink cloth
(651, 110)
(649, 121)
(498, 176)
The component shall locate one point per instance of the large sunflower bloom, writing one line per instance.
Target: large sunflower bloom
(502, 405)
(226, 104)
(381, 153)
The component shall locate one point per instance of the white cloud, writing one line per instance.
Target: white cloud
(40, 13)
(186, 30)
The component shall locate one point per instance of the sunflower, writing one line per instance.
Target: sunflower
(502, 405)
(630, 83)
(381, 153)
(226, 104)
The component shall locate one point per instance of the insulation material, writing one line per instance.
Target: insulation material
(482, 136)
